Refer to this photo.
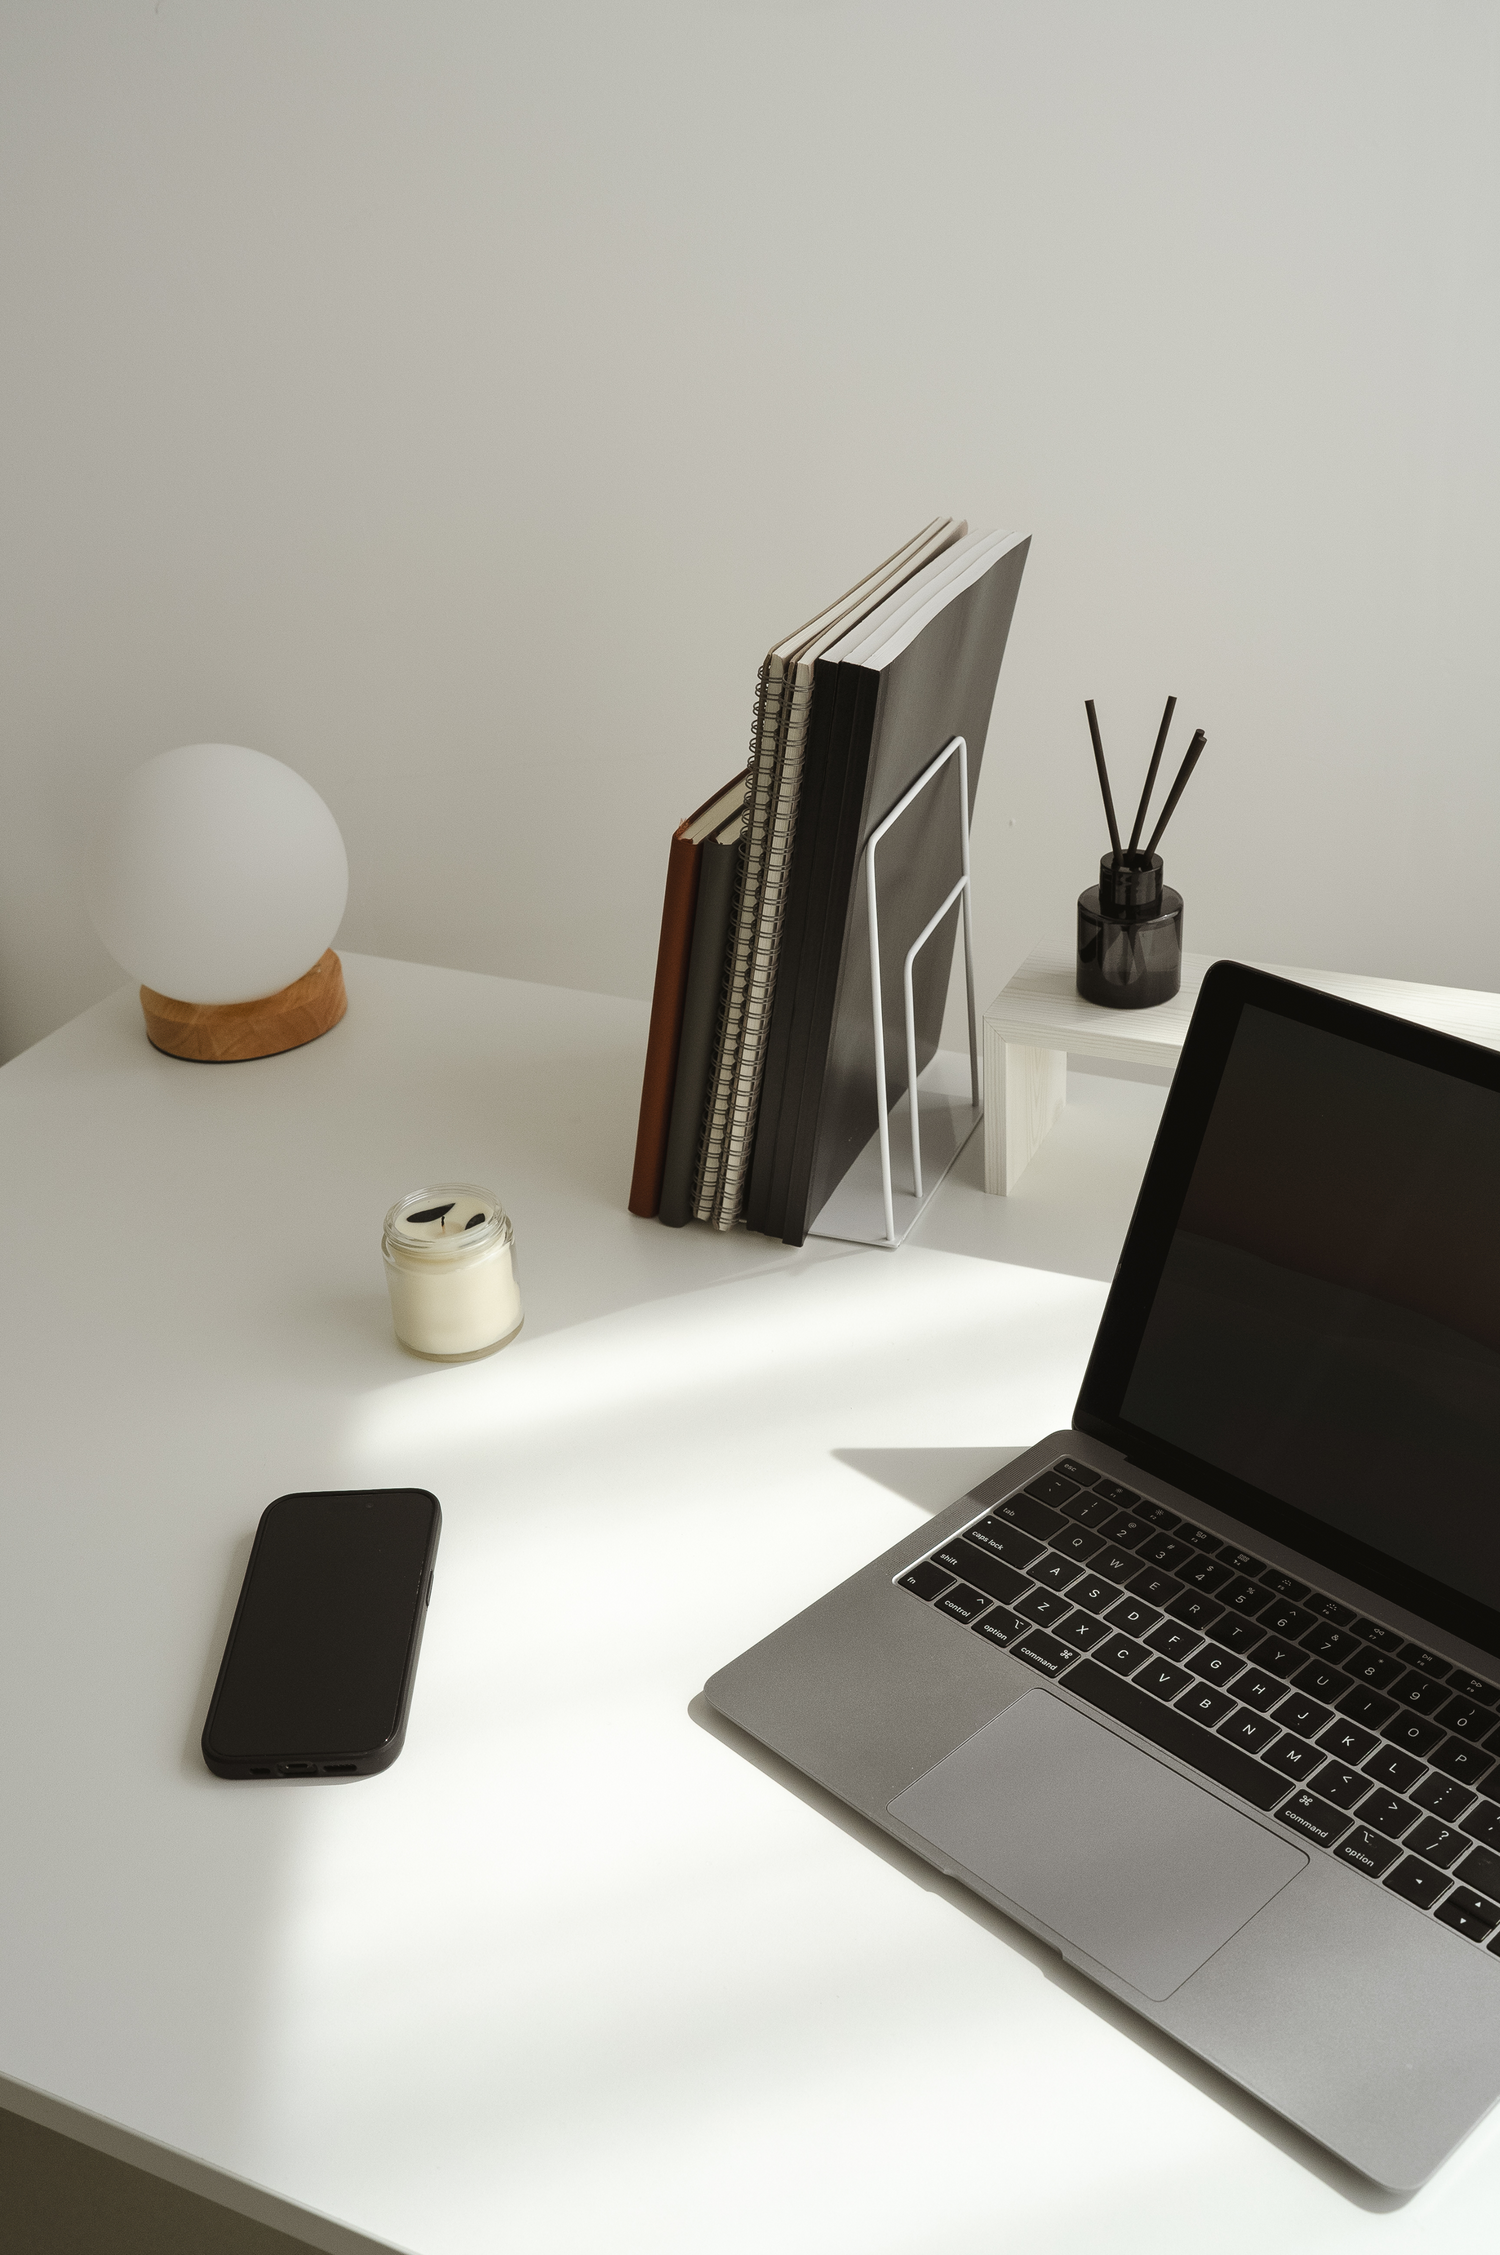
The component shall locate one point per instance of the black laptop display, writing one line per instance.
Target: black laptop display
(1305, 1326)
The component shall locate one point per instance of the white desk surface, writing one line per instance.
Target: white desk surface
(581, 1971)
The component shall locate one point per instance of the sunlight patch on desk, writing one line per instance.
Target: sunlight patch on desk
(877, 1321)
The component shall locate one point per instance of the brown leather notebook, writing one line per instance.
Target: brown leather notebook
(668, 994)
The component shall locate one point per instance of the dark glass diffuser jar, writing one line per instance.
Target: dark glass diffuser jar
(1129, 935)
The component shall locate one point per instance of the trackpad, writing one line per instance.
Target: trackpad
(1109, 1848)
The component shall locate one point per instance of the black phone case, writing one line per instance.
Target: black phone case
(363, 1761)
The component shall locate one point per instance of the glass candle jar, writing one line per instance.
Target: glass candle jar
(450, 1265)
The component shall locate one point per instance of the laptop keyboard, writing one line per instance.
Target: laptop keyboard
(1360, 1742)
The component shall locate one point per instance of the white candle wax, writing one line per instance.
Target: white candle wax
(450, 1267)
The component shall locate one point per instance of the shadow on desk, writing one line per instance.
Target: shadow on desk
(930, 1478)
(1358, 2190)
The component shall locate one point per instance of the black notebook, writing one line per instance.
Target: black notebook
(887, 698)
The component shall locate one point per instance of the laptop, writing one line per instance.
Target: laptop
(1205, 1691)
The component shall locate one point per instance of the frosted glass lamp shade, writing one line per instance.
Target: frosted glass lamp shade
(217, 875)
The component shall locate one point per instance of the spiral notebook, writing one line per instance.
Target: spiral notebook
(783, 703)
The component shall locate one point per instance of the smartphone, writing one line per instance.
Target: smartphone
(317, 1673)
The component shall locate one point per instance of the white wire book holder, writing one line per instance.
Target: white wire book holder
(870, 1207)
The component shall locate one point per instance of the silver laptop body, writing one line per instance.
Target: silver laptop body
(1198, 1691)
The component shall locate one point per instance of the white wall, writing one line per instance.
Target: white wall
(455, 399)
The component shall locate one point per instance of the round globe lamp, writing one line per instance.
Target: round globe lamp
(217, 877)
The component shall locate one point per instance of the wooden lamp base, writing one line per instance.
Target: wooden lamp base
(225, 1033)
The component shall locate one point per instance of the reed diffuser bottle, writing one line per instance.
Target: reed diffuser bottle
(1130, 923)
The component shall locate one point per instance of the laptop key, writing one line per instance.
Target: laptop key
(1163, 1681)
(1201, 1540)
(1207, 1573)
(1347, 1740)
(1315, 1818)
(1276, 1656)
(1483, 1821)
(1053, 1571)
(1439, 1843)
(1302, 1714)
(1344, 1786)
(1169, 1555)
(1329, 1643)
(1235, 1631)
(1078, 1542)
(1153, 1585)
(1175, 1733)
(1368, 1851)
(1390, 1767)
(1013, 1544)
(1244, 1596)
(1195, 1611)
(1240, 1561)
(1093, 1593)
(1129, 1614)
(1128, 1500)
(1205, 1703)
(1034, 1518)
(926, 1580)
(1469, 1914)
(1121, 1653)
(1430, 1663)
(1329, 1609)
(1456, 1758)
(1418, 1736)
(1467, 1718)
(1083, 1475)
(1087, 1510)
(1044, 1653)
(1474, 1687)
(1294, 1758)
(1051, 1487)
(1114, 1563)
(1257, 1689)
(963, 1603)
(1320, 1681)
(1377, 1668)
(1283, 1584)
(1383, 1639)
(1081, 1629)
(1418, 1882)
(1173, 1641)
(1444, 1797)
(1044, 1606)
(1286, 1619)
(1419, 1694)
(1362, 1705)
(1480, 1868)
(1126, 1530)
(999, 1625)
(1249, 1730)
(1387, 1812)
(1215, 1665)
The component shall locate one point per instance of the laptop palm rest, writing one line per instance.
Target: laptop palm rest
(1125, 1859)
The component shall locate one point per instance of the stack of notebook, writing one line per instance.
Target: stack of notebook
(759, 1090)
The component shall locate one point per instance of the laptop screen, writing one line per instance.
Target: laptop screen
(1309, 1306)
